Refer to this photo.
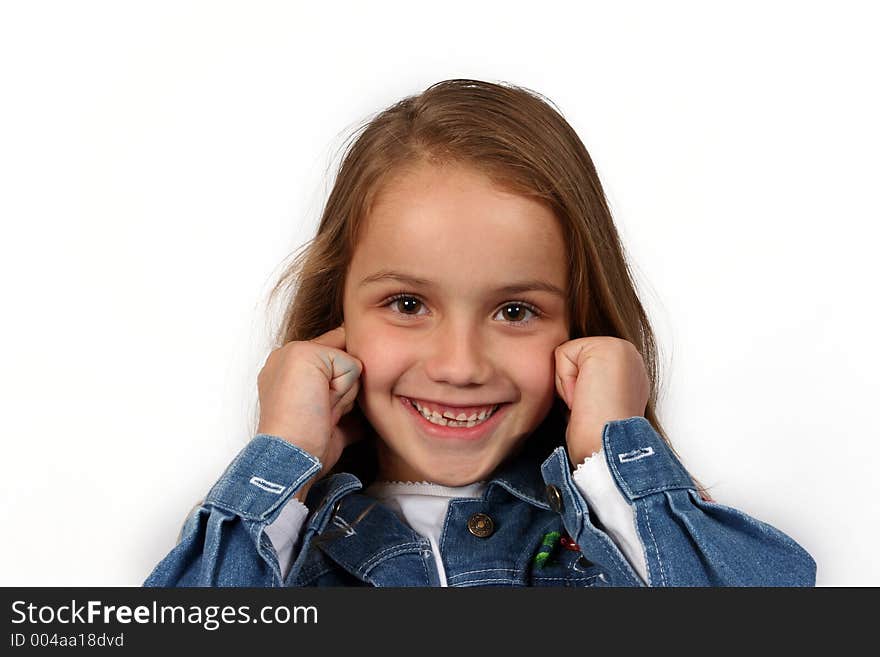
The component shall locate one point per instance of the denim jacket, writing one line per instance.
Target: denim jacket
(352, 539)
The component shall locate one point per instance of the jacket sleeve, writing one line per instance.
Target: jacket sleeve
(687, 541)
(224, 540)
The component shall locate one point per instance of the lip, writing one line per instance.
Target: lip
(461, 433)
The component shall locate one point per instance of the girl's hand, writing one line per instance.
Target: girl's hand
(600, 379)
(305, 388)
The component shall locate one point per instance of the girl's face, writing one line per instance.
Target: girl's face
(447, 243)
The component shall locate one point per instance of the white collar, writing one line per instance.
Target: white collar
(385, 489)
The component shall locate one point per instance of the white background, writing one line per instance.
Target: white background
(159, 160)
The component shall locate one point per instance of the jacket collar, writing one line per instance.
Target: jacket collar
(520, 475)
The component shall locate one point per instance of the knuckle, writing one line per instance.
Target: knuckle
(264, 370)
(623, 346)
(294, 348)
(277, 355)
(297, 351)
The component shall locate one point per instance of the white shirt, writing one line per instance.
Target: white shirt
(423, 506)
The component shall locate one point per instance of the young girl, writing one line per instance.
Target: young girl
(464, 392)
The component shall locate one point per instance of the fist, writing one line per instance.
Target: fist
(600, 379)
(305, 389)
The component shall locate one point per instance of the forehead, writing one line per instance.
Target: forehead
(451, 225)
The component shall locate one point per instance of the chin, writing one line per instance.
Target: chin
(454, 482)
(458, 477)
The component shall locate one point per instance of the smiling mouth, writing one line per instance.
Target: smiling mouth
(452, 419)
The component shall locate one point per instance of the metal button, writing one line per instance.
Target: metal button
(481, 525)
(554, 497)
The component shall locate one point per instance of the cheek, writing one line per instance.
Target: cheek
(534, 368)
(382, 354)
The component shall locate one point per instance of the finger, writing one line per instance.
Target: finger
(566, 376)
(333, 338)
(345, 370)
(346, 402)
(560, 389)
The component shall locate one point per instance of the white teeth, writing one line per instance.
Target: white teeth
(449, 419)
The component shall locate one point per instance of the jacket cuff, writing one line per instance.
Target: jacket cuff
(640, 460)
(262, 477)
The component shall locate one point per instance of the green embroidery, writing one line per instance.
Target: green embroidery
(547, 545)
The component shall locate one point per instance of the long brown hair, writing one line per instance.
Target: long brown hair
(525, 146)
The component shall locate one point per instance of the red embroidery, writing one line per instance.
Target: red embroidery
(569, 544)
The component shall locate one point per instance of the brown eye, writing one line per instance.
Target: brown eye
(518, 314)
(517, 311)
(406, 305)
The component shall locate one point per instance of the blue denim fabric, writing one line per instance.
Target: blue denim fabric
(351, 539)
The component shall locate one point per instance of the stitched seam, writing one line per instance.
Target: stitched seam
(388, 552)
(512, 571)
(635, 512)
(656, 548)
(567, 579)
(510, 488)
(610, 461)
(675, 485)
(489, 581)
(394, 549)
(267, 551)
(579, 505)
(446, 522)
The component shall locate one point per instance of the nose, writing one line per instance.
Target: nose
(457, 355)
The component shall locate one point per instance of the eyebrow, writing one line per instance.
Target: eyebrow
(513, 288)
